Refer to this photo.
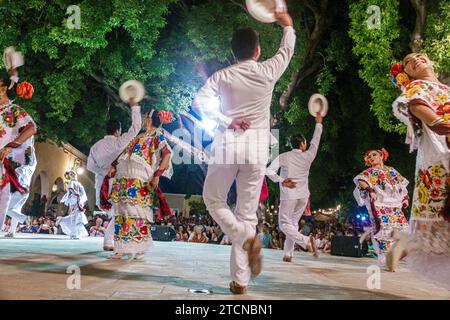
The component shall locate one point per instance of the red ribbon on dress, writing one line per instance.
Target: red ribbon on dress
(11, 177)
(446, 209)
(374, 213)
(104, 190)
(104, 194)
(264, 191)
(163, 205)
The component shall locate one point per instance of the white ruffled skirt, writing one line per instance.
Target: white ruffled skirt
(429, 251)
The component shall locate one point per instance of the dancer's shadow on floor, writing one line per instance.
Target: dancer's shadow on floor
(263, 285)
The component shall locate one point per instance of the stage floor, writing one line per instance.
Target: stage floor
(35, 267)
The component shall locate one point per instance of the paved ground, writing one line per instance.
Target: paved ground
(35, 267)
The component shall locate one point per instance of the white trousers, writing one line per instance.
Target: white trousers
(108, 240)
(291, 212)
(11, 205)
(240, 225)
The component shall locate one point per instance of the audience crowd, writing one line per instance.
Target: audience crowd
(200, 229)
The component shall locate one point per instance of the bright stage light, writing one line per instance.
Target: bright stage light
(209, 125)
(358, 216)
(363, 218)
(214, 103)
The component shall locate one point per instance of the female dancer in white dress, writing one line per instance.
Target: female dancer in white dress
(75, 198)
(382, 190)
(424, 107)
(135, 188)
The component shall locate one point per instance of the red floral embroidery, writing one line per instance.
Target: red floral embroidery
(144, 230)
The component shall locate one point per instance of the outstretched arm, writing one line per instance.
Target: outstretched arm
(136, 125)
(277, 65)
(272, 170)
(314, 144)
(165, 162)
(431, 119)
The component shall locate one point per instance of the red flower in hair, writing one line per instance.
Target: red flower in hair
(385, 154)
(165, 117)
(396, 69)
(25, 90)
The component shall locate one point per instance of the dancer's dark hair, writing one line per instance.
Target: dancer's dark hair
(6, 81)
(112, 126)
(156, 121)
(244, 43)
(296, 140)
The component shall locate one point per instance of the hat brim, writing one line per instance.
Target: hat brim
(264, 10)
(318, 104)
(132, 89)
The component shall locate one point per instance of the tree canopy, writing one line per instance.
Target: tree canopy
(172, 46)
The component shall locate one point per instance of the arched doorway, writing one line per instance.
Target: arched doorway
(55, 207)
(39, 194)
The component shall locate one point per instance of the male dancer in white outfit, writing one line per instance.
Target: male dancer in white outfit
(17, 156)
(294, 190)
(104, 152)
(245, 91)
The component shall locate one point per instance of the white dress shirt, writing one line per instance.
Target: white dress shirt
(245, 92)
(295, 165)
(106, 150)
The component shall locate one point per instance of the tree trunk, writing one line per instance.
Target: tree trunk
(310, 62)
(420, 6)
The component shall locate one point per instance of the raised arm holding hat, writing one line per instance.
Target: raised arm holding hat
(102, 155)
(294, 189)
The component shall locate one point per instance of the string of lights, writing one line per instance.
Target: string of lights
(329, 211)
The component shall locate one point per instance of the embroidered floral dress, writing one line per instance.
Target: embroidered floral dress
(390, 189)
(429, 254)
(132, 195)
(74, 223)
(13, 119)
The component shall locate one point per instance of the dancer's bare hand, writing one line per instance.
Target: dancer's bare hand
(319, 117)
(237, 124)
(373, 196)
(155, 183)
(289, 183)
(284, 19)
(4, 153)
(112, 171)
(12, 72)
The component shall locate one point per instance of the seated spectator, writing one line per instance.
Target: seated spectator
(45, 227)
(327, 247)
(97, 230)
(34, 226)
(182, 235)
(24, 228)
(225, 240)
(5, 227)
(213, 238)
(53, 227)
(265, 236)
(275, 242)
(198, 236)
